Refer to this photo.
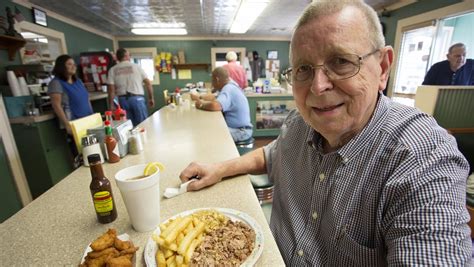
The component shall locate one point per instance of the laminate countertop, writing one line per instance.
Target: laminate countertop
(55, 228)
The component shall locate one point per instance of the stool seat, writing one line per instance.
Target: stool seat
(263, 188)
(245, 146)
(246, 142)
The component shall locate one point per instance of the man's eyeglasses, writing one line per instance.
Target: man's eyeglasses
(339, 67)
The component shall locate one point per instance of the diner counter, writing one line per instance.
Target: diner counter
(55, 229)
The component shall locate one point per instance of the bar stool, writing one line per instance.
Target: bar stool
(262, 186)
(245, 145)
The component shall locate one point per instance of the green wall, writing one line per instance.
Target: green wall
(77, 40)
(199, 51)
(421, 6)
(8, 194)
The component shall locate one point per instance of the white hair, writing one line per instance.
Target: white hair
(231, 56)
(321, 8)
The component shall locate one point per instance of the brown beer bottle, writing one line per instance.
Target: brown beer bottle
(101, 191)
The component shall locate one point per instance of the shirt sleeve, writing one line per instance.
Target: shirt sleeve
(55, 87)
(225, 100)
(425, 222)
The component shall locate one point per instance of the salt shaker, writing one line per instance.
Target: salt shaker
(135, 144)
(90, 145)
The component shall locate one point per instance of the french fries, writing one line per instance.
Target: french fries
(180, 237)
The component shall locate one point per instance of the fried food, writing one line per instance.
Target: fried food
(122, 261)
(98, 262)
(122, 245)
(98, 254)
(129, 251)
(104, 241)
(108, 250)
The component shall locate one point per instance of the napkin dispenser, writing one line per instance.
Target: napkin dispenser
(120, 130)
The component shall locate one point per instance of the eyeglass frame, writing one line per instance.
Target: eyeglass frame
(287, 73)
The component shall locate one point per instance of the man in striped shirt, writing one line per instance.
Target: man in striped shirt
(359, 180)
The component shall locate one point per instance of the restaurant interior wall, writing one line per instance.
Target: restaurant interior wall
(77, 40)
(416, 8)
(199, 51)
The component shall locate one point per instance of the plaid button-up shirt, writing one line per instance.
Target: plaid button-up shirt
(393, 195)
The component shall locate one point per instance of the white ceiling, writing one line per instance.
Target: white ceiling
(201, 17)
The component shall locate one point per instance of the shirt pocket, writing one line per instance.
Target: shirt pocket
(354, 254)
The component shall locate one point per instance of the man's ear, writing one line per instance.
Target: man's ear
(385, 65)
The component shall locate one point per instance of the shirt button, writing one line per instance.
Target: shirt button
(315, 215)
(345, 160)
(321, 177)
(300, 253)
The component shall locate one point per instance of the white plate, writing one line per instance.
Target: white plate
(235, 215)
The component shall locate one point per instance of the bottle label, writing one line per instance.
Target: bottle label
(103, 202)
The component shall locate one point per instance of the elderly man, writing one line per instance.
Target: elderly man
(236, 72)
(231, 101)
(359, 180)
(456, 70)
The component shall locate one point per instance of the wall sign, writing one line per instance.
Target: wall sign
(39, 17)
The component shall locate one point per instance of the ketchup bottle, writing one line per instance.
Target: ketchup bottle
(101, 192)
(113, 154)
(120, 114)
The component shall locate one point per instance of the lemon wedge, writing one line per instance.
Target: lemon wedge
(153, 167)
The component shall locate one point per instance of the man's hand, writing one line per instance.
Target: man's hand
(208, 175)
(151, 103)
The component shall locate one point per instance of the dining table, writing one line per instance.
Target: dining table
(56, 228)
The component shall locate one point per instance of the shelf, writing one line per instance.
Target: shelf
(12, 44)
(31, 68)
(203, 66)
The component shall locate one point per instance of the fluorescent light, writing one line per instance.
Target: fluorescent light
(248, 12)
(159, 25)
(159, 31)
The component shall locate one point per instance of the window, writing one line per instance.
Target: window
(145, 58)
(43, 45)
(437, 30)
(413, 59)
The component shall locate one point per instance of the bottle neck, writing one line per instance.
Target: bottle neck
(96, 170)
(108, 131)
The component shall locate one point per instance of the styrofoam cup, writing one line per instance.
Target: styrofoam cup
(141, 197)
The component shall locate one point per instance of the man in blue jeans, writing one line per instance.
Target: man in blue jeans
(231, 101)
(126, 81)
